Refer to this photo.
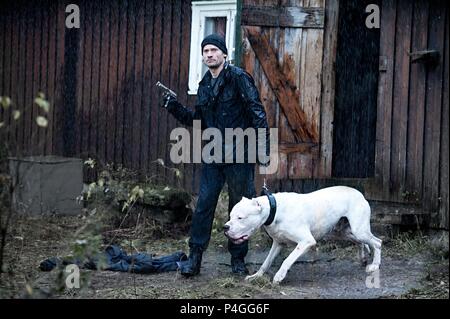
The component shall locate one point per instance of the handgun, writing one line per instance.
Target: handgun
(166, 91)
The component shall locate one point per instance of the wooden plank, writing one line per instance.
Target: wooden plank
(15, 88)
(276, 16)
(443, 189)
(104, 56)
(286, 92)
(165, 76)
(290, 40)
(300, 165)
(80, 87)
(130, 106)
(400, 99)
(86, 79)
(303, 165)
(313, 81)
(270, 101)
(328, 87)
(434, 109)
(95, 82)
(52, 9)
(113, 85)
(138, 88)
(251, 64)
(44, 139)
(36, 130)
(20, 101)
(44, 70)
(416, 114)
(112, 81)
(295, 43)
(7, 64)
(59, 96)
(51, 74)
(121, 85)
(128, 87)
(28, 113)
(147, 85)
(384, 108)
(2, 57)
(187, 169)
(156, 76)
(267, 96)
(176, 58)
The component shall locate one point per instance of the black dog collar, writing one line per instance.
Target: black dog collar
(273, 208)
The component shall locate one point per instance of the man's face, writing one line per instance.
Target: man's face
(213, 57)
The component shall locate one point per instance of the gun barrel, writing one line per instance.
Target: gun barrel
(162, 86)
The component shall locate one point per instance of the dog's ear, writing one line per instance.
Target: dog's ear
(255, 203)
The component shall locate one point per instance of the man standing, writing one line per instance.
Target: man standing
(226, 98)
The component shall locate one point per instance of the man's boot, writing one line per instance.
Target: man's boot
(238, 266)
(191, 267)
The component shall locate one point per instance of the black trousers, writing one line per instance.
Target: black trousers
(240, 179)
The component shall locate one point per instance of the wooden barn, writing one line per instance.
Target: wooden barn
(354, 105)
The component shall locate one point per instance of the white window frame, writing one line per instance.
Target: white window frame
(200, 11)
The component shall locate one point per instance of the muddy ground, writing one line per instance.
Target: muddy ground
(411, 267)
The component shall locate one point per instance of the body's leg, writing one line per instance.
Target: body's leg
(359, 219)
(240, 179)
(305, 242)
(274, 251)
(211, 183)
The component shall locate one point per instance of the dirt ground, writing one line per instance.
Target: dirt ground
(410, 268)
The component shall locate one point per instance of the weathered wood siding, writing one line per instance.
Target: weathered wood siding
(411, 159)
(356, 86)
(99, 79)
(408, 154)
(100, 82)
(290, 55)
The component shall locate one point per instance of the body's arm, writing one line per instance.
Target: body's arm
(183, 114)
(250, 95)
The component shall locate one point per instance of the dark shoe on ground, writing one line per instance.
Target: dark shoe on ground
(238, 267)
(191, 267)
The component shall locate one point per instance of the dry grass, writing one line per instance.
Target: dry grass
(32, 239)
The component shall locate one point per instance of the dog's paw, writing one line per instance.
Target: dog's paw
(372, 267)
(253, 277)
(278, 278)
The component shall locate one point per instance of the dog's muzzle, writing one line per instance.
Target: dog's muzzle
(239, 240)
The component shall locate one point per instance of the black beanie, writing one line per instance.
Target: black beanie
(216, 40)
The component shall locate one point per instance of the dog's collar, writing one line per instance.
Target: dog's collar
(273, 208)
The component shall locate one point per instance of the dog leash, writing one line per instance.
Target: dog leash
(272, 202)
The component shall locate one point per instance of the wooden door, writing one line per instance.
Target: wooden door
(289, 50)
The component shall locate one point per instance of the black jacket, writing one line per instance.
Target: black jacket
(234, 104)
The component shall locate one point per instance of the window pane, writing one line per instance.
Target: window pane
(216, 25)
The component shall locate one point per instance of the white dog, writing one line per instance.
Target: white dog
(304, 219)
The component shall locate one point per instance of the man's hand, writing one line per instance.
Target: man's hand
(166, 99)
